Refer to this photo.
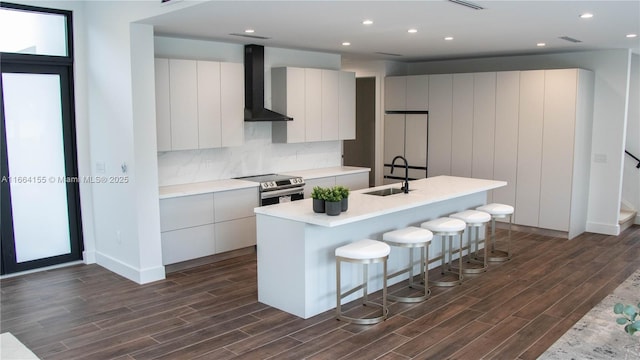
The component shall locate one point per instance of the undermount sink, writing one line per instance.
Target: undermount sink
(385, 192)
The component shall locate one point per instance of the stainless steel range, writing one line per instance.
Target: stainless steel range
(275, 189)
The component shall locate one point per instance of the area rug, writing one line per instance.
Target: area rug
(597, 336)
(12, 349)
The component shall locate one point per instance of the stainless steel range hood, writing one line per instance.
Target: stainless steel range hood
(254, 109)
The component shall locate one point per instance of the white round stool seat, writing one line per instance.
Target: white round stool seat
(445, 225)
(496, 209)
(472, 217)
(364, 249)
(408, 235)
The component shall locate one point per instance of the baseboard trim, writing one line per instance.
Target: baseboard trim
(604, 229)
(89, 257)
(140, 276)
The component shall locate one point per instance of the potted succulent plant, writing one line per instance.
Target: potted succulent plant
(345, 196)
(317, 194)
(332, 202)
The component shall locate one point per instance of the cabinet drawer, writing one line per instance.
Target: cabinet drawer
(235, 234)
(235, 204)
(186, 244)
(186, 211)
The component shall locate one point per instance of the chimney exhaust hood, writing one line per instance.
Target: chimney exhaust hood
(254, 109)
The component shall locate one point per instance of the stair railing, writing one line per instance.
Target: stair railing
(634, 157)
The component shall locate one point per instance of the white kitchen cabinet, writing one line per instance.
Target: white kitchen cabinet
(394, 132)
(189, 243)
(163, 106)
(406, 93)
(505, 156)
(321, 103)
(355, 181)
(186, 211)
(232, 104)
(187, 227)
(209, 105)
(462, 125)
(531, 114)
(235, 204)
(328, 181)
(235, 234)
(294, 102)
(567, 123)
(313, 105)
(440, 121)
(347, 106)
(330, 105)
(183, 93)
(484, 122)
(199, 104)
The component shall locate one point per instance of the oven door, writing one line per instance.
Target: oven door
(280, 196)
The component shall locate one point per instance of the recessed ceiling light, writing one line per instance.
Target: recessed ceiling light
(586, 16)
(541, 44)
(449, 38)
(630, 36)
(412, 31)
(249, 31)
(346, 43)
(367, 22)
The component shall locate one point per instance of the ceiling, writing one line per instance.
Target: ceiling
(501, 28)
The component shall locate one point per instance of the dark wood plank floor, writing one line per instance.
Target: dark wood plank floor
(516, 310)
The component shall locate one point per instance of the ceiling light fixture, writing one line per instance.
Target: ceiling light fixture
(412, 31)
(449, 38)
(631, 36)
(249, 31)
(586, 16)
(346, 43)
(541, 44)
(367, 22)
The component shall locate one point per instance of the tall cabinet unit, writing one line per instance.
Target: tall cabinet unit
(199, 104)
(321, 103)
(462, 125)
(505, 155)
(440, 124)
(530, 114)
(406, 126)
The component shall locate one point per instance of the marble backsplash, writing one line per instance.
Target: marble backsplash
(258, 155)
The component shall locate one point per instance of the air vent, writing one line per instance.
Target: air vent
(388, 54)
(570, 39)
(251, 36)
(467, 4)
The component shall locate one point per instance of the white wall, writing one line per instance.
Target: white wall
(611, 70)
(258, 155)
(631, 177)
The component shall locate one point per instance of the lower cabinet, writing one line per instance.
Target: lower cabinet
(207, 224)
(354, 181)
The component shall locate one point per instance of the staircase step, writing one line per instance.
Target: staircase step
(626, 215)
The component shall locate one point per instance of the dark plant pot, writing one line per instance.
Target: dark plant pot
(333, 208)
(345, 204)
(318, 205)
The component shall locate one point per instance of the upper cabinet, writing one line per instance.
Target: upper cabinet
(321, 103)
(406, 93)
(199, 104)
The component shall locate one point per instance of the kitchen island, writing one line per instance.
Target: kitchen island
(295, 246)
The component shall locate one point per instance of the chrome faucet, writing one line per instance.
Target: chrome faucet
(404, 187)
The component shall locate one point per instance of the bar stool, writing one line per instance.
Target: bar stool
(474, 219)
(498, 211)
(447, 228)
(411, 237)
(364, 252)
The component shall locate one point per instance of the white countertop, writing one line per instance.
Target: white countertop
(363, 206)
(204, 187)
(172, 191)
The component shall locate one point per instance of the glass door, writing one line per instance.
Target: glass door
(40, 212)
